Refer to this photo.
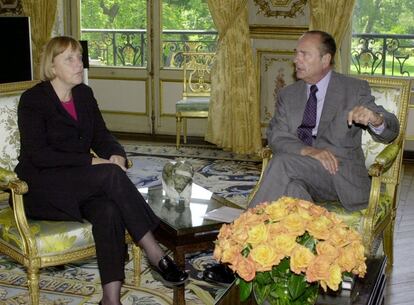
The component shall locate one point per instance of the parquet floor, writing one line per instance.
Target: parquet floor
(400, 285)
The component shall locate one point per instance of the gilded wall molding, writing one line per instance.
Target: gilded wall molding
(11, 7)
(277, 32)
(267, 7)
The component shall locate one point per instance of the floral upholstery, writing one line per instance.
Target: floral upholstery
(9, 133)
(389, 99)
(51, 237)
(355, 219)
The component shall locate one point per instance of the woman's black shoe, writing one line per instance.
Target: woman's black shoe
(170, 274)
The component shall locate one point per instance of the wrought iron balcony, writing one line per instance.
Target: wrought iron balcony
(385, 54)
(128, 48)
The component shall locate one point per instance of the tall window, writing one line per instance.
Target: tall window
(186, 26)
(383, 37)
(115, 31)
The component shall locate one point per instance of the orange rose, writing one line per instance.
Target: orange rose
(265, 257)
(318, 269)
(239, 235)
(225, 232)
(326, 249)
(248, 219)
(316, 210)
(257, 234)
(300, 259)
(245, 268)
(320, 227)
(218, 252)
(351, 257)
(339, 237)
(229, 253)
(276, 228)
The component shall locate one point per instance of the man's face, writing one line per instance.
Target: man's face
(311, 66)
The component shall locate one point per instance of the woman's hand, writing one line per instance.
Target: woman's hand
(118, 160)
(114, 159)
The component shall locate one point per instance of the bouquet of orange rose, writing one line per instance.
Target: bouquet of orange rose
(285, 249)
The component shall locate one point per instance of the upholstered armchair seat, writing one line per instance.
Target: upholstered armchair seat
(52, 237)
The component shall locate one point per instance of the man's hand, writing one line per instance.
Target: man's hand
(328, 160)
(118, 160)
(364, 116)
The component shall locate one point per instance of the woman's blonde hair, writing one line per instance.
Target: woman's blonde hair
(53, 48)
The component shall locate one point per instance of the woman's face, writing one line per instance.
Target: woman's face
(68, 67)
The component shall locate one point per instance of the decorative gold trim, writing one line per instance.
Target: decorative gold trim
(11, 88)
(296, 8)
(277, 32)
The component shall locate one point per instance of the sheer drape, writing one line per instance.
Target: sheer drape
(332, 16)
(42, 17)
(233, 122)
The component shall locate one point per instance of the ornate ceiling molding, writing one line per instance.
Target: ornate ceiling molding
(268, 7)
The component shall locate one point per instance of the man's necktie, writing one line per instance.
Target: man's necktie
(309, 117)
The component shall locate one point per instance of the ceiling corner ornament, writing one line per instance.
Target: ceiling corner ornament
(268, 7)
(11, 7)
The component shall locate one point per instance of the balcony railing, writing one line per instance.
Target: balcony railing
(128, 48)
(385, 54)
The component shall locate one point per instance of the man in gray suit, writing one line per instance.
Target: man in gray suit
(323, 160)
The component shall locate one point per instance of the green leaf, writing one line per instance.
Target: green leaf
(245, 289)
(307, 241)
(263, 278)
(283, 269)
(297, 286)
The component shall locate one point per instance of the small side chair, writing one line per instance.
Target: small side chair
(196, 90)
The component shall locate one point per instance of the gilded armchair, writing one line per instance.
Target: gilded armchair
(35, 244)
(196, 90)
(384, 164)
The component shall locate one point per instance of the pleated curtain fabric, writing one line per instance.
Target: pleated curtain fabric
(334, 17)
(309, 117)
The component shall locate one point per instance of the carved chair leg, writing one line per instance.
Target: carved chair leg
(389, 244)
(136, 256)
(178, 131)
(33, 283)
(185, 130)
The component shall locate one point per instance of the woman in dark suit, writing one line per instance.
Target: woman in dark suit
(60, 123)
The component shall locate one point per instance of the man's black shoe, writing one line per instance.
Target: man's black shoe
(219, 274)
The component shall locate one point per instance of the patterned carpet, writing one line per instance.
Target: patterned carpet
(228, 175)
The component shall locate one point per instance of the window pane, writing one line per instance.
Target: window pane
(186, 26)
(115, 31)
(380, 40)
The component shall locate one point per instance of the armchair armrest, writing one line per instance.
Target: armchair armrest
(384, 159)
